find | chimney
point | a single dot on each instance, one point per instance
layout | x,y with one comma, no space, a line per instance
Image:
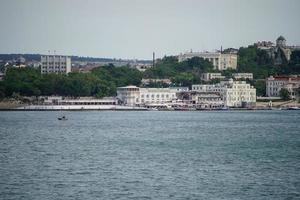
153,61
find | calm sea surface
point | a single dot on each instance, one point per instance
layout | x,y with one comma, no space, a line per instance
150,155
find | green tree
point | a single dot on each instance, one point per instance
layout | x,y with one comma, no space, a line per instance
284,94
23,80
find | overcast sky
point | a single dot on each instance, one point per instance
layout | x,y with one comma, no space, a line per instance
136,28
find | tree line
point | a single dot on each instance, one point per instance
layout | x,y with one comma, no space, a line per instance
100,82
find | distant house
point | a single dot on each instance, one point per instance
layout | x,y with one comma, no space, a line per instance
147,81
276,83
211,76
243,76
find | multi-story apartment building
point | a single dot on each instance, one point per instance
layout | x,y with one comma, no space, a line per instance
243,76
220,61
275,84
132,95
238,94
211,76
55,64
233,93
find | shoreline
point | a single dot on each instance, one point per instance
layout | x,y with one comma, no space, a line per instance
144,109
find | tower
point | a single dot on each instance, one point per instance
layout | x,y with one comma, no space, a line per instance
281,41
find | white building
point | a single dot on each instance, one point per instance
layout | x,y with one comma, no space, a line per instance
275,84
55,64
59,100
202,100
211,76
147,81
135,96
234,93
208,88
243,76
220,61
238,94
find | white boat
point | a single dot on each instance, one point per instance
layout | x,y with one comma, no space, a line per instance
152,109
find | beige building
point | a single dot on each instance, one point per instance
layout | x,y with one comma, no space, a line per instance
55,64
220,61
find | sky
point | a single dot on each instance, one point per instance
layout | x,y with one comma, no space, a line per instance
133,29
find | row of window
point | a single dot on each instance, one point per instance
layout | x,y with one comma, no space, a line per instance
51,67
58,64
157,96
239,93
87,103
51,71
275,83
240,99
147,101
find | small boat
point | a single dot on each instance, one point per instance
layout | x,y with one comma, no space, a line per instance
153,109
224,108
62,118
293,108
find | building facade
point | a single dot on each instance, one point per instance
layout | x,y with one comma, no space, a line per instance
233,93
208,88
239,94
136,96
147,81
275,84
220,61
202,100
243,76
211,76
55,64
